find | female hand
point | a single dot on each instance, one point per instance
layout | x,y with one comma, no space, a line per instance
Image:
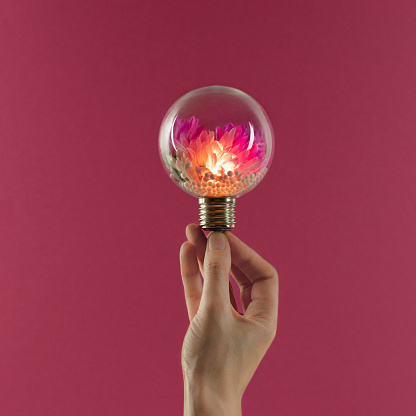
223,348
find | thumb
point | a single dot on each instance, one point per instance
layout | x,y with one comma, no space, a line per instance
217,265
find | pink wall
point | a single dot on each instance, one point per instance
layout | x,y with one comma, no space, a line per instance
92,314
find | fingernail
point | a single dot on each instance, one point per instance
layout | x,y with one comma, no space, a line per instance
216,241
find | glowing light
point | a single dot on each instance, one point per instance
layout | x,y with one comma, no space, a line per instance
216,163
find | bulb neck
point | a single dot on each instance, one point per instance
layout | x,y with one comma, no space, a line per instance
216,214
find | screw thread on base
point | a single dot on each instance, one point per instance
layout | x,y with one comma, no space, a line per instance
216,214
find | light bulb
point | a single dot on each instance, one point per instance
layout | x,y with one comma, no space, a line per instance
216,144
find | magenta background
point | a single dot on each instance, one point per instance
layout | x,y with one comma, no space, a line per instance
92,314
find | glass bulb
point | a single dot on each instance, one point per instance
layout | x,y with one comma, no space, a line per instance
216,144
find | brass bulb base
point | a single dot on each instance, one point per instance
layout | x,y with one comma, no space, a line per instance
216,214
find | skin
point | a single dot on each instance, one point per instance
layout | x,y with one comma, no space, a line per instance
222,347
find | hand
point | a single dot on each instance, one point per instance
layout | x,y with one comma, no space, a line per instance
223,348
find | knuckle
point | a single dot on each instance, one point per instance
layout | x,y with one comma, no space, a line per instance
272,272
273,276
192,297
216,267
188,274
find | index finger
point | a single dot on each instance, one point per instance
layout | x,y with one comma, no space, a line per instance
262,275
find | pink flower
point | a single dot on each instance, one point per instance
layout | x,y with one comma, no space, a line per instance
199,154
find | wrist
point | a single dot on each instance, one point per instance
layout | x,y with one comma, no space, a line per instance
201,399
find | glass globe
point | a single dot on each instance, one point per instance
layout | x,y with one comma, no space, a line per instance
216,143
